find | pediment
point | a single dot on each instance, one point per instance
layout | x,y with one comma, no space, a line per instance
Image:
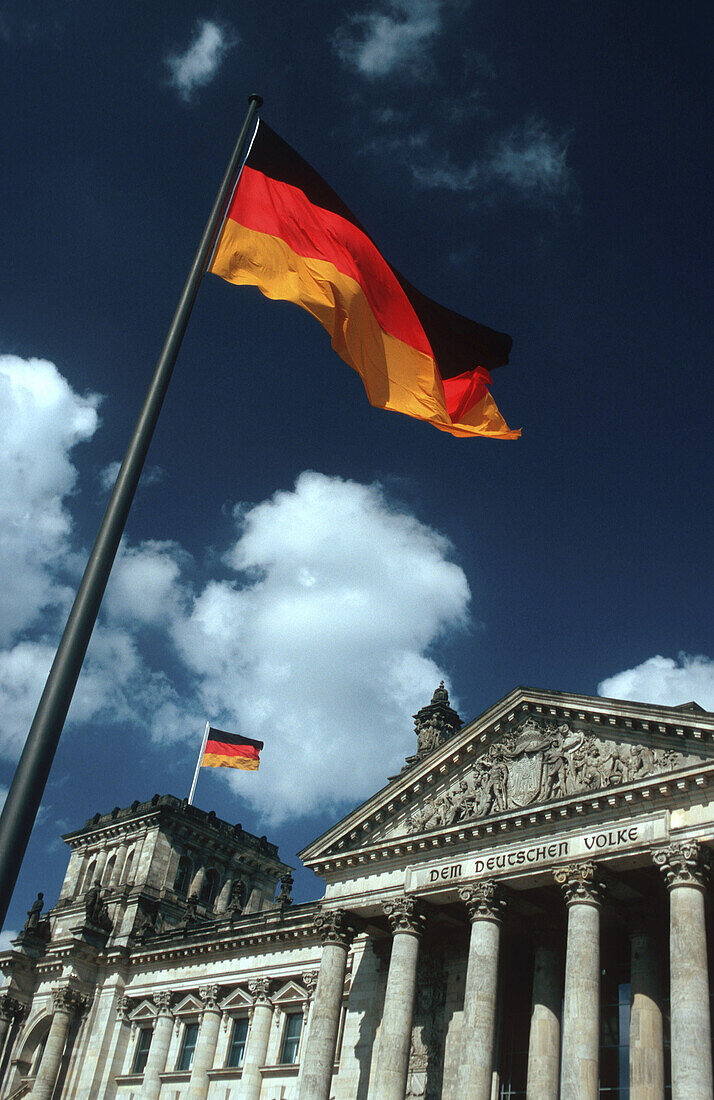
531,750
145,1010
236,1001
289,994
188,1006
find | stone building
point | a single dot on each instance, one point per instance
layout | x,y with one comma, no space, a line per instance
520,912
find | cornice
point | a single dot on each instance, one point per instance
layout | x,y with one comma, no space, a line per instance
664,727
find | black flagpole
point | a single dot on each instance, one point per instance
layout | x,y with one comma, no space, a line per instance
28,785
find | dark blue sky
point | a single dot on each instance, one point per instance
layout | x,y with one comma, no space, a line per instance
544,169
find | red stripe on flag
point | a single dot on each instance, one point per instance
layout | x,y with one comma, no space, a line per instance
224,748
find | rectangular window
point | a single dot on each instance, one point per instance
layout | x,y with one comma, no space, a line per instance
238,1037
188,1046
291,1038
142,1049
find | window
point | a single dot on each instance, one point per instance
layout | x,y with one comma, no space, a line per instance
38,1056
238,1037
188,1046
209,889
291,1038
183,876
142,1049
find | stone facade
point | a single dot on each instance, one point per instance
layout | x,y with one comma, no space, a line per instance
520,912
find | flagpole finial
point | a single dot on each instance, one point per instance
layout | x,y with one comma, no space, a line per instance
255,98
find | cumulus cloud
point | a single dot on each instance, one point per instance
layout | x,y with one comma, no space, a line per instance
665,681
202,58
392,39
532,159
320,642
44,419
321,648
106,477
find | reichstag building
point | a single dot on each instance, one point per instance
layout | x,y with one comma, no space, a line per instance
521,912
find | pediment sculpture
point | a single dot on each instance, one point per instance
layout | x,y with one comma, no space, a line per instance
538,762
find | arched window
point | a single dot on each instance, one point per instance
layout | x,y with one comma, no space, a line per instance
108,871
209,889
127,866
183,876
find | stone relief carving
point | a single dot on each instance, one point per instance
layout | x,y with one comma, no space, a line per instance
537,762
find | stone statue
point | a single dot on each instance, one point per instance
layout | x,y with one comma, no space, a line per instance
238,898
95,910
33,914
284,898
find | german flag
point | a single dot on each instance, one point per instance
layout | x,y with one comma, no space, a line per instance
230,750
289,234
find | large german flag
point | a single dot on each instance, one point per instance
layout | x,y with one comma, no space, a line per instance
230,750
289,234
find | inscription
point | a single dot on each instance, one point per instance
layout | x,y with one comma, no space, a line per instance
526,857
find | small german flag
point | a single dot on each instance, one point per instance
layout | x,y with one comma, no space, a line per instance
288,233
230,750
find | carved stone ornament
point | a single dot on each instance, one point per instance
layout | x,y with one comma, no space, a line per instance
124,1008
309,981
209,996
259,989
335,926
10,1008
67,999
162,1000
685,864
405,914
581,883
435,723
484,901
537,762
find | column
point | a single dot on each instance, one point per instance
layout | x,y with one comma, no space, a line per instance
256,1046
159,1049
581,1005
66,1001
197,882
646,1030
485,903
337,932
544,1038
99,869
118,865
686,870
225,895
206,1045
388,1080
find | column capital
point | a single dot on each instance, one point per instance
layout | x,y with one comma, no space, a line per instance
686,863
484,901
405,914
209,996
581,883
10,1007
335,926
65,998
162,1000
259,989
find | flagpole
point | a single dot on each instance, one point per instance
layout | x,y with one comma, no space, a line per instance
28,785
204,742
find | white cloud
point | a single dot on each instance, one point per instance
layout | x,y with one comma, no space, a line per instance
6,939
665,681
532,160
321,648
320,644
106,477
43,421
379,42
202,58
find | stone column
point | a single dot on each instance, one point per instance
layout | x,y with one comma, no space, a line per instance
197,882
159,1049
646,1030
256,1046
225,895
118,865
581,1006
99,869
686,869
337,933
388,1080
485,903
544,1038
206,1045
66,1002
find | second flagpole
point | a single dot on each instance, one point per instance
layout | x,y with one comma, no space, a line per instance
28,785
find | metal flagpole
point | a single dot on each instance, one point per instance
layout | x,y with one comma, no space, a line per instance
198,762
23,799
